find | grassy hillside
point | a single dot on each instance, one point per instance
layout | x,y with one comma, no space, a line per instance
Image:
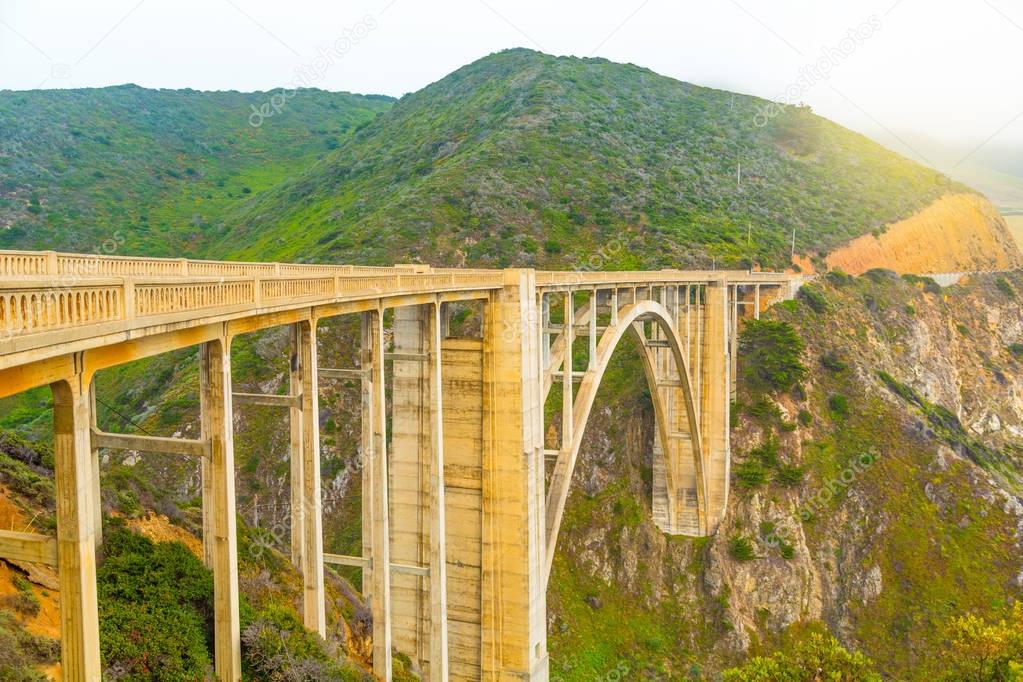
524,158
876,499
150,172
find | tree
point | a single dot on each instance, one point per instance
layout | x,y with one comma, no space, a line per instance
981,651
770,355
818,658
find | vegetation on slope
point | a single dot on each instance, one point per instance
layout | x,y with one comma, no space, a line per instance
130,170
862,509
522,158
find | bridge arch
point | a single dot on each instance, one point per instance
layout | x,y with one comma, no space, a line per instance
629,322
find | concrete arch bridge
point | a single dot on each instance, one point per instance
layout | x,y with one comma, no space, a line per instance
459,526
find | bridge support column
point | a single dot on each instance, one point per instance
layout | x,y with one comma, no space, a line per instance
295,451
417,490
310,502
219,505
76,530
408,474
96,489
715,394
514,598
376,515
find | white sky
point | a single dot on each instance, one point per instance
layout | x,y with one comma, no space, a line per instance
951,69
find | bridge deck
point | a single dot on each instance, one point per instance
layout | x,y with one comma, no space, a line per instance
54,304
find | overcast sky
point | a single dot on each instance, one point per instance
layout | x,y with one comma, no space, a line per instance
951,69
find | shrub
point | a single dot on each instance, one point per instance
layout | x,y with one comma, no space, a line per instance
766,452
804,417
278,649
20,650
763,410
1006,288
23,600
771,351
813,297
24,468
839,405
819,657
789,474
750,474
741,549
985,651
832,362
839,278
155,609
1017,350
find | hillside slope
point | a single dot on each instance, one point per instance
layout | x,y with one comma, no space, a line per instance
957,233
150,172
522,158
878,500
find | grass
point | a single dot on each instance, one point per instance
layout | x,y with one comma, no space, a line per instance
151,172
526,159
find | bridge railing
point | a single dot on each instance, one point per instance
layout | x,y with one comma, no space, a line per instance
33,304
41,291
589,278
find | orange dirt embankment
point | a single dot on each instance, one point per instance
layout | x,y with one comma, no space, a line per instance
43,579
957,233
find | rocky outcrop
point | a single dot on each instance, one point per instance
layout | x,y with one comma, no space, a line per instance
897,543
957,233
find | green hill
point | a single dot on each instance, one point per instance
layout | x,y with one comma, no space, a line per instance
524,158
151,172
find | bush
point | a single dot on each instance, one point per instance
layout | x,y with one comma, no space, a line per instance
839,405
1006,288
832,362
741,549
771,351
819,657
766,453
23,600
985,651
813,297
25,468
804,417
156,620
1017,350
789,475
20,651
750,474
277,648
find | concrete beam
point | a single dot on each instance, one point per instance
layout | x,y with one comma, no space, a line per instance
265,399
31,547
171,446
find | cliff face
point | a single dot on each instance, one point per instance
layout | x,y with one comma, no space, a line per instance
956,233
907,512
